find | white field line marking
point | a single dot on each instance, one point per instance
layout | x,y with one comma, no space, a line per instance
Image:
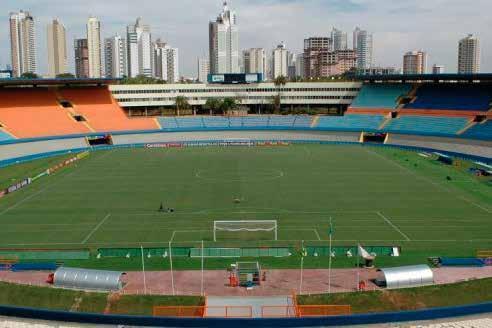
96,228
477,205
317,234
172,237
392,225
440,186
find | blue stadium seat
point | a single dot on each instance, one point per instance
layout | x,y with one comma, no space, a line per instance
190,122
480,131
303,121
168,122
282,121
380,95
5,136
453,97
216,122
236,122
256,121
427,125
351,122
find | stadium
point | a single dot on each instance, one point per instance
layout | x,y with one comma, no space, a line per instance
114,210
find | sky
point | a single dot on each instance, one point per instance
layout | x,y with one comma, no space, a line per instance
434,26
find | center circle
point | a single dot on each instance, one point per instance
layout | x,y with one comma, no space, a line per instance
234,176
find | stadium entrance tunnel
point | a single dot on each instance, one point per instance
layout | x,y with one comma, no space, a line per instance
105,140
370,137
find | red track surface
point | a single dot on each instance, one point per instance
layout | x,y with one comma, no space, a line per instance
278,282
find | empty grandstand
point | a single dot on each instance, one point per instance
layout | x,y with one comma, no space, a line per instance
452,96
101,111
380,96
29,112
426,125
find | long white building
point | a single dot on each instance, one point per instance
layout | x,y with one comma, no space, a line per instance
327,94
22,43
94,47
224,43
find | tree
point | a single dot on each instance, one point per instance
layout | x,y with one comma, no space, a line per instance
142,79
65,76
228,104
279,82
213,105
181,103
29,75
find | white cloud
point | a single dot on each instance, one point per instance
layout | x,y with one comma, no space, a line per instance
398,25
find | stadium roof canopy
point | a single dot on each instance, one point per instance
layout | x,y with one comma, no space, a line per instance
421,78
55,82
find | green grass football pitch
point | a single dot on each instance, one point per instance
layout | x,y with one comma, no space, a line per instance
373,196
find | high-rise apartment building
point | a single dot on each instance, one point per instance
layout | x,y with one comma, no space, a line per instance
469,55
203,70
437,69
166,62
224,43
57,48
81,58
280,63
115,57
254,60
140,49
339,39
363,46
415,62
22,43
313,47
94,47
300,66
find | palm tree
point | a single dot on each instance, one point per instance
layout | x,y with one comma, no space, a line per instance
181,103
228,104
279,82
213,105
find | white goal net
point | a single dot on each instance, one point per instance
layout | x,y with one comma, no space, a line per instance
248,227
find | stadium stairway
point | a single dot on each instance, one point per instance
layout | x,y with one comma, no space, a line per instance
102,112
467,127
314,122
60,100
4,135
386,121
481,130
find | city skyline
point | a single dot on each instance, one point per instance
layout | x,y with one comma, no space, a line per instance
189,32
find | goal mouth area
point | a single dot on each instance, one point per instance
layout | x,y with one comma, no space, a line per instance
245,229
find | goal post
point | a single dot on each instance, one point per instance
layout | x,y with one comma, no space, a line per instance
240,226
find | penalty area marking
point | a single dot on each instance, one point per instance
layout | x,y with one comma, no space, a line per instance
96,228
393,226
